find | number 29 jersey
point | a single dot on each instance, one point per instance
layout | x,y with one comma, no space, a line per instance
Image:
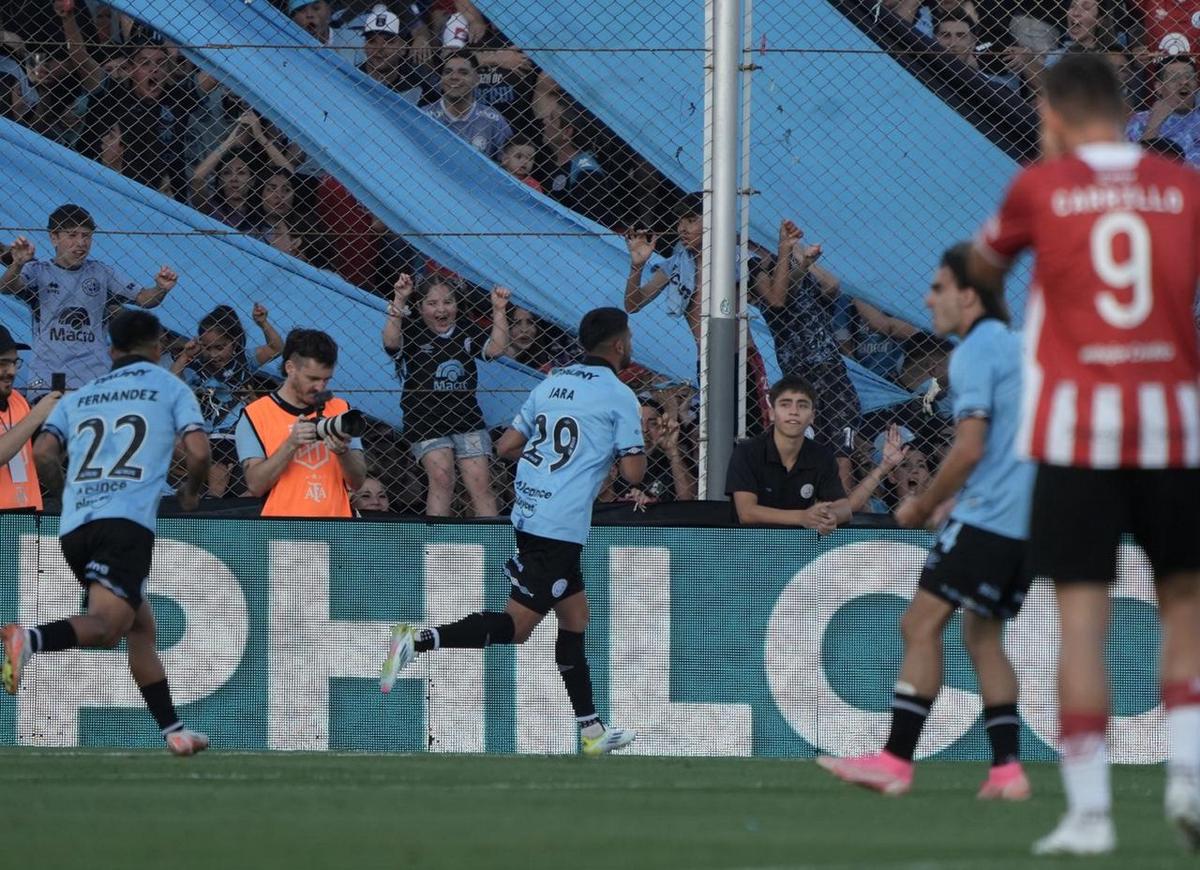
577,422
1112,370
119,431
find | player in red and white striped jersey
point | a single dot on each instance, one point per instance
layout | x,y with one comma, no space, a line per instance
1111,414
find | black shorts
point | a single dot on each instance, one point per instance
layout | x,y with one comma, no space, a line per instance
114,553
1080,514
838,414
543,571
977,570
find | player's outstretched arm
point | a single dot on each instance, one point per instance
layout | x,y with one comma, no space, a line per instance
511,445
13,440
197,456
970,438
47,456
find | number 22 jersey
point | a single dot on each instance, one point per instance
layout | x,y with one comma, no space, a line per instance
1112,370
577,422
119,432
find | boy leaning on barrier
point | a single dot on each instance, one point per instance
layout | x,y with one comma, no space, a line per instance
783,477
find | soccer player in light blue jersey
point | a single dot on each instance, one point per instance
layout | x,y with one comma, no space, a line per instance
119,432
567,435
978,560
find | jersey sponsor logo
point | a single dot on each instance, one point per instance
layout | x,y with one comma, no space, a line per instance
90,286
532,491
525,507
450,375
74,324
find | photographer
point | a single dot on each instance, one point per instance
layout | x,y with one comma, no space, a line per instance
18,422
299,449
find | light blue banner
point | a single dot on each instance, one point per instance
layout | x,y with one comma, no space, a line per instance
844,141
426,183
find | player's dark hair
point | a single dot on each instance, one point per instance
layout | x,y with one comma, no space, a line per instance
600,325
131,330
224,319
463,54
1084,87
956,260
70,217
310,344
792,384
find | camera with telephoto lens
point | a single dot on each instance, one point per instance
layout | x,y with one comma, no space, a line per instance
347,425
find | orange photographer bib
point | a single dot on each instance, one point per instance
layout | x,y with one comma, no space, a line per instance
312,484
18,477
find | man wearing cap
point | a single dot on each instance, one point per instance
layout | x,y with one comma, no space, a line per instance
18,476
386,60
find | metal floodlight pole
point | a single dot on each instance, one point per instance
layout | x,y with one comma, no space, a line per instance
720,289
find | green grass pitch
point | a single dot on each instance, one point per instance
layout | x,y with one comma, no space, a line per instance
95,809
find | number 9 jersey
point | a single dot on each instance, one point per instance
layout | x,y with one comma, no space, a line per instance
577,422
1112,370
119,431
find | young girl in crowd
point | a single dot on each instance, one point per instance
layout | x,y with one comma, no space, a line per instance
216,366
280,225
435,353
236,161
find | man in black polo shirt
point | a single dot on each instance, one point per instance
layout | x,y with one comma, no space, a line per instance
783,478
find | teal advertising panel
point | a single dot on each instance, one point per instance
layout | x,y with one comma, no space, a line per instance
707,641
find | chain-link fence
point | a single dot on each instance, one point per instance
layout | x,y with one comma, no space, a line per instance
377,171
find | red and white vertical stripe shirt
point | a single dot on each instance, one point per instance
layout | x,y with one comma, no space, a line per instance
1112,374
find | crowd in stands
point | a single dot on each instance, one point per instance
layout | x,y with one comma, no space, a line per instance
95,81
